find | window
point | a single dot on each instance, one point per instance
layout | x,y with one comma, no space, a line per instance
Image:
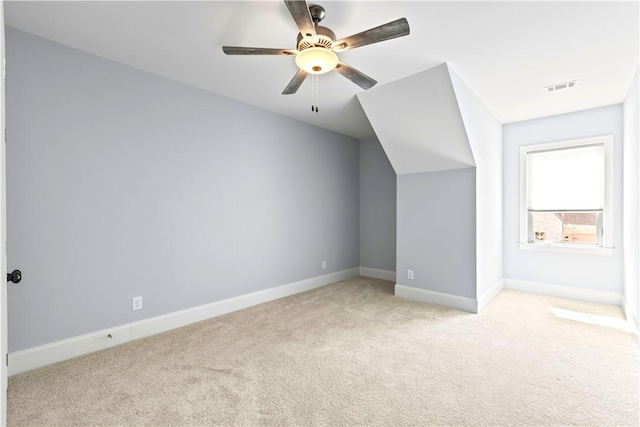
566,195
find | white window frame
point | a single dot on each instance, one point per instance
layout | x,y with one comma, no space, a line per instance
607,226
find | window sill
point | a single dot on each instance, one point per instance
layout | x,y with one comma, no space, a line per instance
566,248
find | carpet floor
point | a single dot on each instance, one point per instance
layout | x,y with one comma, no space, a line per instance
352,354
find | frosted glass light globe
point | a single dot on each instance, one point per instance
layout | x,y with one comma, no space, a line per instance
317,60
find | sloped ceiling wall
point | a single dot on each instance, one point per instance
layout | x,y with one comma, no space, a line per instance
418,122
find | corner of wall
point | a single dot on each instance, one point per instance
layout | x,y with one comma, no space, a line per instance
377,273
470,305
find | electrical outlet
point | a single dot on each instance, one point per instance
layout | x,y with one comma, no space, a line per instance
324,265
136,303
410,274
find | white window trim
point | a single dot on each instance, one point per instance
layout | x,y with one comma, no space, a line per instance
566,248
607,243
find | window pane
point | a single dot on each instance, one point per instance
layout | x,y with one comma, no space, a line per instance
564,227
566,179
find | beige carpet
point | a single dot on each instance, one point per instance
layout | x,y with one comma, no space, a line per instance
351,354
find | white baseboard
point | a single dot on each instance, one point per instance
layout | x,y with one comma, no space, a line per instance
177,319
489,295
633,321
563,291
378,274
32,358
628,313
453,301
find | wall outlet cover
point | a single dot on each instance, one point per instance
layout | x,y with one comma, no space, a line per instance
136,303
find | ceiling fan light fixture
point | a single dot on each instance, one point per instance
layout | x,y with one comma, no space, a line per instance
317,60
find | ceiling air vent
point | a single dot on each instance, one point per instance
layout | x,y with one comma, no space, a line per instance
559,86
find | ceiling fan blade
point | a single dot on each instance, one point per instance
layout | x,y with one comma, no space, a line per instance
299,9
237,50
362,80
295,82
388,31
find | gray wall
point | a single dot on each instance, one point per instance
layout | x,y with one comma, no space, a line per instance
437,231
122,183
596,272
377,207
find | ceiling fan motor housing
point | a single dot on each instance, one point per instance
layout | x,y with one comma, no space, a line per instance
317,12
324,38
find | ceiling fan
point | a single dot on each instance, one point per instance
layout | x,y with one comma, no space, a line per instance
317,46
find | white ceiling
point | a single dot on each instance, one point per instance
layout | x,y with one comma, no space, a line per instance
507,52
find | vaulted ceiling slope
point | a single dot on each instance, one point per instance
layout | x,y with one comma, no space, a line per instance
418,122
506,51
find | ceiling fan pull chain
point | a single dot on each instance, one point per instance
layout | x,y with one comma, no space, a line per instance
317,92
314,93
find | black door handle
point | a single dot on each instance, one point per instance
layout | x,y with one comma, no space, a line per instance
15,276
